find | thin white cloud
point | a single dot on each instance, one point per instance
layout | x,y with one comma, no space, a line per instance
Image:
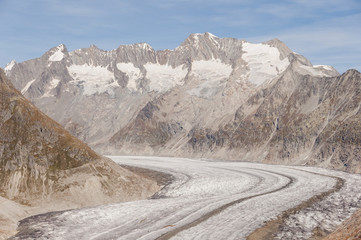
284,11
328,5
338,32
203,2
307,9
90,8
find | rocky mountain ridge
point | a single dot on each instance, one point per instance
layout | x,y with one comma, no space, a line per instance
210,97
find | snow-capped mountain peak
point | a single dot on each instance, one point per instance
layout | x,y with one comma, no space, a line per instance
57,53
145,46
10,65
197,39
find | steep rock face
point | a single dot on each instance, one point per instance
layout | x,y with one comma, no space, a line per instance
209,97
316,122
44,166
340,141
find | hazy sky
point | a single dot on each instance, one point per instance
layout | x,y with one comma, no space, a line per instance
324,31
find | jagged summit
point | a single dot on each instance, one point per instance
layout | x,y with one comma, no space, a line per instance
196,39
142,45
195,36
93,46
57,53
10,65
352,71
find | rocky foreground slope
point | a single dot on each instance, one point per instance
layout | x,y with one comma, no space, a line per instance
44,168
349,230
210,97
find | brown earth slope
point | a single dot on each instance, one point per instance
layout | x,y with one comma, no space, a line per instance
44,168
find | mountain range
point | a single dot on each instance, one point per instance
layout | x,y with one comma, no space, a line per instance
210,97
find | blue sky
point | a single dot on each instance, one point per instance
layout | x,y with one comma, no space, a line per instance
324,31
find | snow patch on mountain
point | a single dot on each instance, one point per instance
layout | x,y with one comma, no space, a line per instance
314,71
27,86
263,61
211,35
54,83
146,47
196,40
133,73
164,77
93,79
213,38
329,68
58,55
10,65
211,70
51,85
212,75
206,89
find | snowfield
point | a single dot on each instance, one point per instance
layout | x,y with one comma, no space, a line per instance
263,61
209,200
